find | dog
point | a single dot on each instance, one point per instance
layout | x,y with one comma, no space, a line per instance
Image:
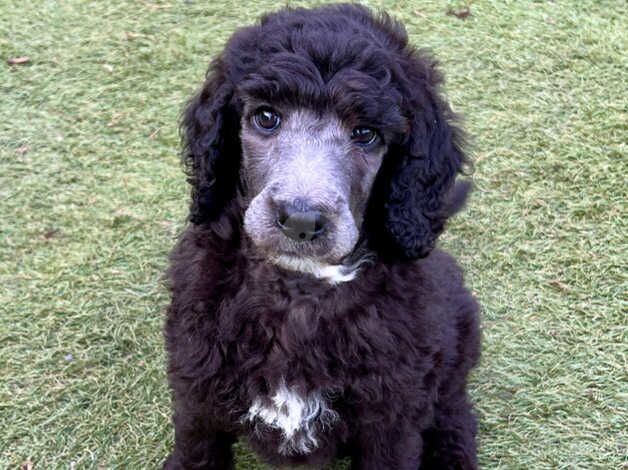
311,313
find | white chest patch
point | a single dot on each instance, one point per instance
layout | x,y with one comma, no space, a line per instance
298,418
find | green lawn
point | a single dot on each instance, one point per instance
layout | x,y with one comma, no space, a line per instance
92,198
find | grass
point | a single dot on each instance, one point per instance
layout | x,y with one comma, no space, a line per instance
92,198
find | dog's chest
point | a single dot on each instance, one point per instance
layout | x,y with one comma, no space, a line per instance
299,418
291,417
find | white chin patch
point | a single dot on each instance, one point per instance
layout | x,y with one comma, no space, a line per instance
332,273
297,417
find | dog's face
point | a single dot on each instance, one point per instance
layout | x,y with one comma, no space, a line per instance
308,177
322,131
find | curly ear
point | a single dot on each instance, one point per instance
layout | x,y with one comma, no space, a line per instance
211,157
421,195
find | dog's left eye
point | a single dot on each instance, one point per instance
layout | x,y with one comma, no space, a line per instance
266,119
364,136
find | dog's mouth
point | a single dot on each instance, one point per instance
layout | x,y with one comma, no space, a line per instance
299,231
319,256
333,271
296,242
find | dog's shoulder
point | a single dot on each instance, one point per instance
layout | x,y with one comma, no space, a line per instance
442,268
440,282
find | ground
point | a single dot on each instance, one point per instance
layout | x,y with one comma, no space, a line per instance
92,198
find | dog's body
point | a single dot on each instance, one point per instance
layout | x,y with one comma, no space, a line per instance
389,359
310,312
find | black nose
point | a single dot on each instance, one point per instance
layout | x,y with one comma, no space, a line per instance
302,224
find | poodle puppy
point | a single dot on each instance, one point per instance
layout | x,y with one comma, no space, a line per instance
311,313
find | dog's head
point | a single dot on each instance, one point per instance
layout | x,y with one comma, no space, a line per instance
330,129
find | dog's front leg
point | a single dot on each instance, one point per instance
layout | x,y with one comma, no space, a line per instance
391,448
198,445
450,443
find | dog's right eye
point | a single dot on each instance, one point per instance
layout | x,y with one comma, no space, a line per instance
364,136
266,119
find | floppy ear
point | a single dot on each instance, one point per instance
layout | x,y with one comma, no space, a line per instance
422,195
210,128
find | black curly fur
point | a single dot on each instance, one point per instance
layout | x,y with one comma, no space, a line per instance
396,344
